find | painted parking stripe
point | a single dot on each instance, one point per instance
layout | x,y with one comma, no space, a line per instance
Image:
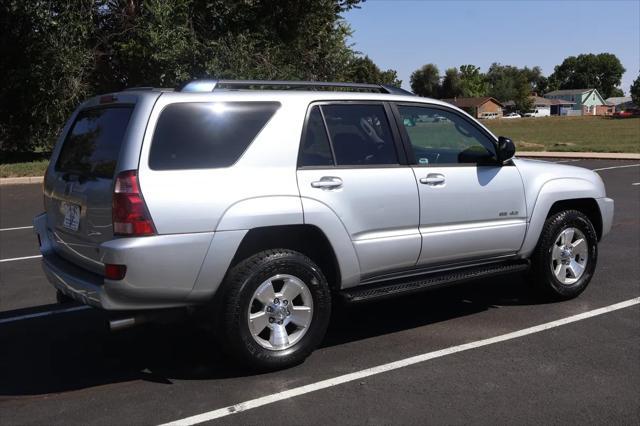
616,167
291,393
636,184
20,258
43,314
15,229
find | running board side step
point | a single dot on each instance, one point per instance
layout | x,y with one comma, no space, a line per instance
430,281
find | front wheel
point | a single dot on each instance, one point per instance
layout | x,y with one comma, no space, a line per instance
565,259
275,309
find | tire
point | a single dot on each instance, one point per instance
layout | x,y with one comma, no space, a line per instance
247,284
562,274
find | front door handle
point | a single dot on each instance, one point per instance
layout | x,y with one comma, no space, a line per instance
327,182
433,179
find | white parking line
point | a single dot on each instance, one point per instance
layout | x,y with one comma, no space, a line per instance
20,258
44,314
616,167
291,393
568,161
635,183
15,229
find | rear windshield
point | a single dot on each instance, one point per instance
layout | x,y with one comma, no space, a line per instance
93,144
206,135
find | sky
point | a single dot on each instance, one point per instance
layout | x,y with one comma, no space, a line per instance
406,34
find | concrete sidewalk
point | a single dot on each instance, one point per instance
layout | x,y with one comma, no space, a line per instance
532,154
21,180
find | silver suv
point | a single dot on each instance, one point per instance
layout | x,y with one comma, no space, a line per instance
263,206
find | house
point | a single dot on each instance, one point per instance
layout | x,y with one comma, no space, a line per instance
621,103
544,106
588,101
560,106
478,107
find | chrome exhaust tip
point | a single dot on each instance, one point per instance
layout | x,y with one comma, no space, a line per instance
121,323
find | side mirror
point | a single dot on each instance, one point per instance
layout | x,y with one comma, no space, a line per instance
506,149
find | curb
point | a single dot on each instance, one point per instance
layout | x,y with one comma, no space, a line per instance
580,155
21,180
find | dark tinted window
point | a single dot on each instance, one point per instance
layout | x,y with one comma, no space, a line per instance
442,137
206,135
360,134
93,144
315,149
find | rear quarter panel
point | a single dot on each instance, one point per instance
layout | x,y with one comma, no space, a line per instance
203,200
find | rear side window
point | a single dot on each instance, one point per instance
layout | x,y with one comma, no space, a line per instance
93,144
315,150
206,135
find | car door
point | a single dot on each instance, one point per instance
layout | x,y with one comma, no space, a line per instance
471,206
351,161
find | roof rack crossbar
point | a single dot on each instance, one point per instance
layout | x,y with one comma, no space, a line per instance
211,85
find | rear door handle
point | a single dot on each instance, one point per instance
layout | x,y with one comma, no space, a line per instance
433,179
327,182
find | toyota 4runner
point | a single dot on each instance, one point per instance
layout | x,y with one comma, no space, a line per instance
263,201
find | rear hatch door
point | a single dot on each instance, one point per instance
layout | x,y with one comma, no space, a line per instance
79,186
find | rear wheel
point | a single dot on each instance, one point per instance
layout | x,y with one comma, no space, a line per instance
565,259
275,309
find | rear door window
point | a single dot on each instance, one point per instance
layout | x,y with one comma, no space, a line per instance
93,144
360,134
206,135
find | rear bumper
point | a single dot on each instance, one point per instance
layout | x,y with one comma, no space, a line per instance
606,206
161,270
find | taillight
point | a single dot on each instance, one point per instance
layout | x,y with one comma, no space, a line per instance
130,216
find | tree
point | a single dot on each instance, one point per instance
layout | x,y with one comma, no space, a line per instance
55,53
509,83
162,42
602,71
364,70
616,92
425,81
635,91
45,62
472,81
522,96
451,84
502,81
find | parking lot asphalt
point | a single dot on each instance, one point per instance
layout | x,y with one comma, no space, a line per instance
66,368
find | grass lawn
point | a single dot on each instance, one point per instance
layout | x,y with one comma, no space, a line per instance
583,134
29,168
23,164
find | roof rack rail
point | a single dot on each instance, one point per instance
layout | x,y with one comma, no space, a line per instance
147,89
211,85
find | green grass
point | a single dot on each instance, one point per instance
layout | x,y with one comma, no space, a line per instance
578,134
23,164
28,168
